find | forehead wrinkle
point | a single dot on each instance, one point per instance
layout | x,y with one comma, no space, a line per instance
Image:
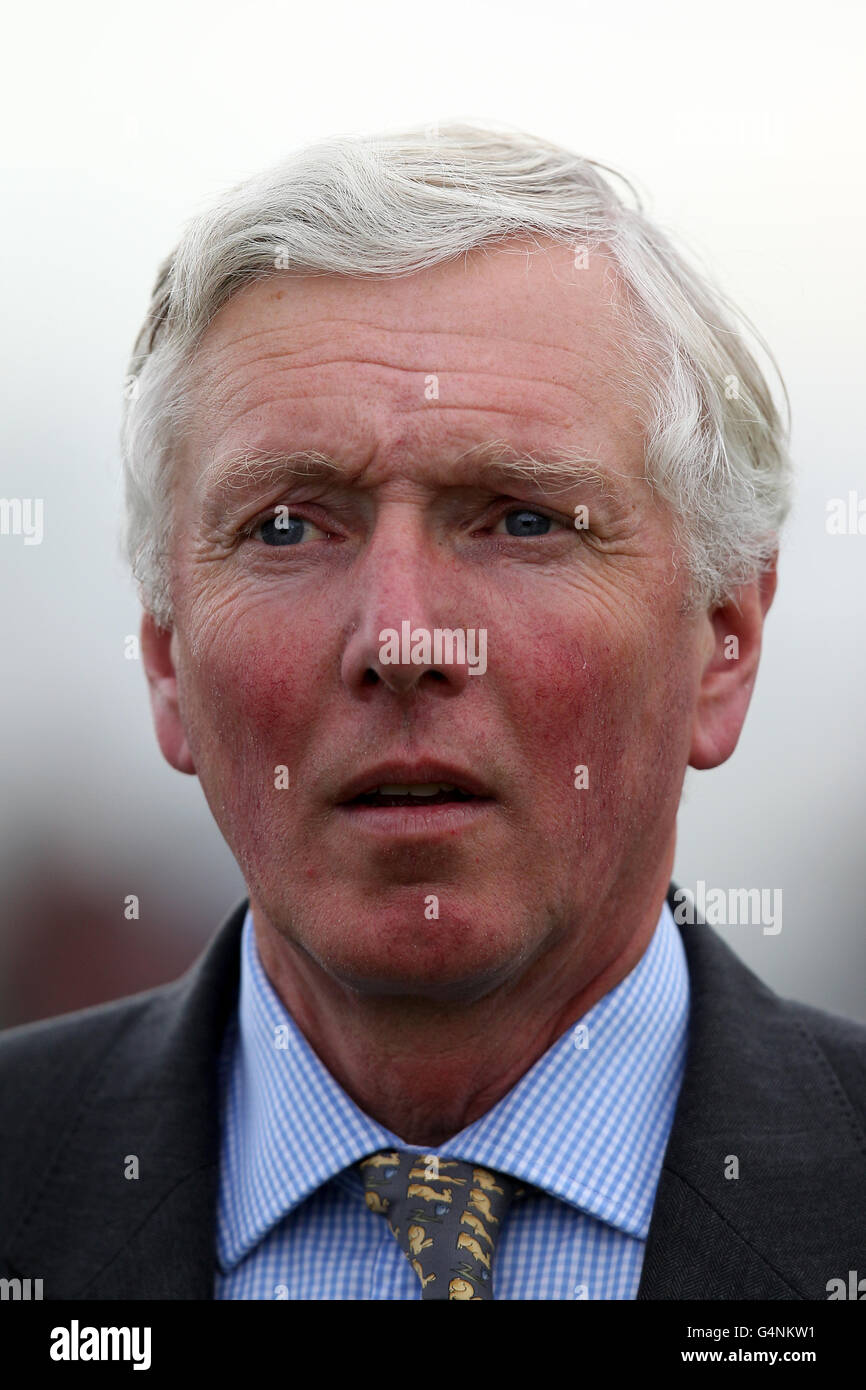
210,357
242,387
545,412
596,329
247,385
244,376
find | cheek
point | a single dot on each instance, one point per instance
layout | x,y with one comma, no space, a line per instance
250,696
249,714
603,695
568,680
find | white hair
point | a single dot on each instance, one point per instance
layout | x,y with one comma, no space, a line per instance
396,203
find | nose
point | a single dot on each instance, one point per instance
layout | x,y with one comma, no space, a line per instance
401,638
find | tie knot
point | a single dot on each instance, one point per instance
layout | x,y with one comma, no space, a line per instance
445,1214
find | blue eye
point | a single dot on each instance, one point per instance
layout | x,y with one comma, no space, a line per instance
281,529
288,529
526,522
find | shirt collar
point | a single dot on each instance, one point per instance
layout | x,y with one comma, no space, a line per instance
588,1123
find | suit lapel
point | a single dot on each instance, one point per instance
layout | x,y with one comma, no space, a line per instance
757,1098
92,1232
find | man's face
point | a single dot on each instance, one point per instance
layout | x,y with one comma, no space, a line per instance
590,660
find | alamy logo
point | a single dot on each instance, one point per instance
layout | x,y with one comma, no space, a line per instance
20,1290
856,1287
730,907
22,516
444,646
76,1343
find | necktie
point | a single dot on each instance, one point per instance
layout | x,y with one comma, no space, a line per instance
446,1216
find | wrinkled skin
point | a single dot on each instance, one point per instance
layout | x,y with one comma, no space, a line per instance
550,896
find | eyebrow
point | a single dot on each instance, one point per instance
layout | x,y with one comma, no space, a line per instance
236,476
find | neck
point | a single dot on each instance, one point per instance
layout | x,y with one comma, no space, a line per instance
462,1056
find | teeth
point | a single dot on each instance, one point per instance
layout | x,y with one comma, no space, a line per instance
419,789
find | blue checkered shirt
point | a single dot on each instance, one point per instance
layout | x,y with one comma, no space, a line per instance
587,1125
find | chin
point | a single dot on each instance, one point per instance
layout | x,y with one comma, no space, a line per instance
430,960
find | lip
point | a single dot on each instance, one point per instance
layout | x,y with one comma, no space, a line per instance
411,774
407,821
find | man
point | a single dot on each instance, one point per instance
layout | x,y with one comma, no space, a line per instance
454,500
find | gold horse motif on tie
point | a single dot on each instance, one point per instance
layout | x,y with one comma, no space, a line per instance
486,1180
417,1243
469,1243
462,1289
376,1202
417,1189
476,1225
481,1202
391,1160
425,1279
423,1171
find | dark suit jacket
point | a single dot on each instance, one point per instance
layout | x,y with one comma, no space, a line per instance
780,1085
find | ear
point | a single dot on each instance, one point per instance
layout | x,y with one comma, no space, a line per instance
733,633
159,655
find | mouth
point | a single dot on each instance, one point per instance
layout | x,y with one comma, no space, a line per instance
420,795
411,799
425,782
